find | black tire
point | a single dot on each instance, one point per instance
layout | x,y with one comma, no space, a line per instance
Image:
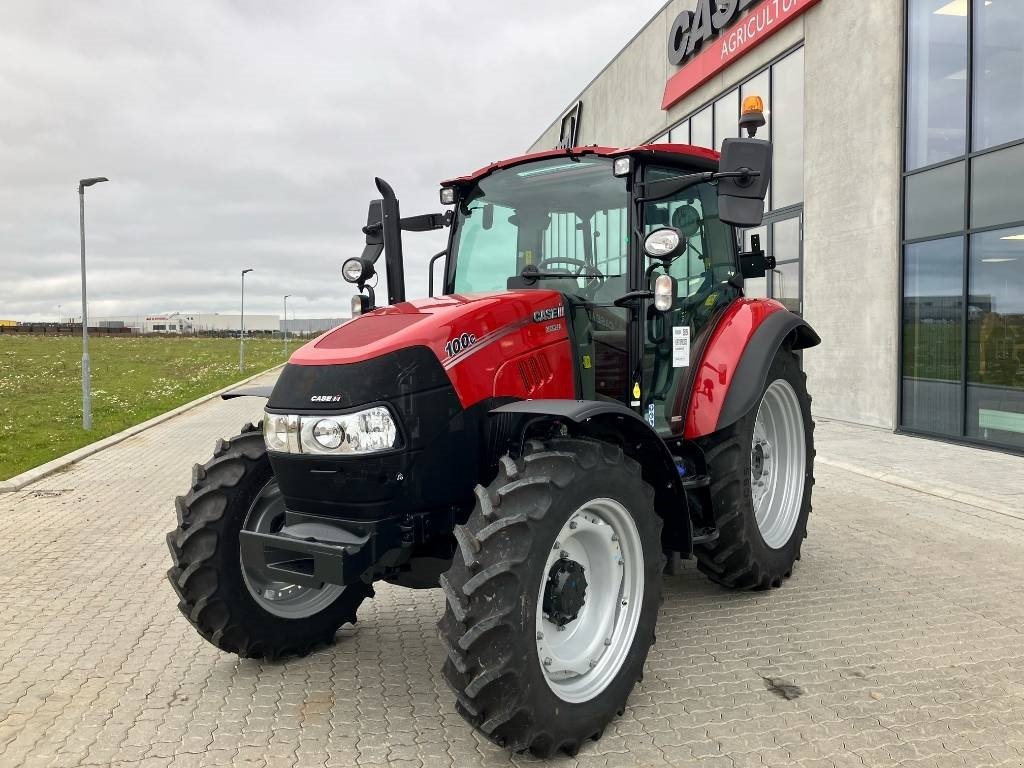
207,572
740,558
488,628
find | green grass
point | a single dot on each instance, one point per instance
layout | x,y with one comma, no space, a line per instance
133,379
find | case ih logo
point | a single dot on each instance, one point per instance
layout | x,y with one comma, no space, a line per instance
325,399
737,29
544,315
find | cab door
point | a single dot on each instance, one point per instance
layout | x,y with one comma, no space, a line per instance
706,284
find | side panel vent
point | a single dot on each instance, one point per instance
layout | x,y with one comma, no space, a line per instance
535,372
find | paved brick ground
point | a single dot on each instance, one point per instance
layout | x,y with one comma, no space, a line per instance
900,634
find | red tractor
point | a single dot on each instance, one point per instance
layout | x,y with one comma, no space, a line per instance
591,398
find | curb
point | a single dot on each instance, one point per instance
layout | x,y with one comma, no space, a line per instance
30,476
960,496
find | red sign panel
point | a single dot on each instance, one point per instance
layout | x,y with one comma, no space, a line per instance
749,32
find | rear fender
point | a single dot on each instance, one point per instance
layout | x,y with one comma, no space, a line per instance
616,424
734,367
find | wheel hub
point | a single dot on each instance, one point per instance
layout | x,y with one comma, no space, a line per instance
757,457
565,593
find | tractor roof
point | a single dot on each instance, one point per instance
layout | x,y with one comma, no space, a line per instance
698,156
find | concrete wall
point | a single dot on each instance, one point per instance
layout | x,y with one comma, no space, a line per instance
852,140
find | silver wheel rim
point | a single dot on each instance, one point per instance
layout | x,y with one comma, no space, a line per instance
582,658
778,461
288,601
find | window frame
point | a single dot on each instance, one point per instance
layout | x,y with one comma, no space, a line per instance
966,233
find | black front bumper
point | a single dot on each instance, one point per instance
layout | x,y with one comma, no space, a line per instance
308,552
311,550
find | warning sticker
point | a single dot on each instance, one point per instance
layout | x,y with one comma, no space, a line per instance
681,346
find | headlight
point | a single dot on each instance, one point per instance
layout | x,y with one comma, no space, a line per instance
368,431
280,432
665,243
352,270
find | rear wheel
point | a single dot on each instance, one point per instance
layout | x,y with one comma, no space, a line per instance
229,603
553,596
762,473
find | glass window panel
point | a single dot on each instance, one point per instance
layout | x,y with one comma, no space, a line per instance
681,133
786,239
788,130
760,86
995,338
785,282
998,73
932,335
701,129
936,81
997,194
935,202
727,118
663,139
786,285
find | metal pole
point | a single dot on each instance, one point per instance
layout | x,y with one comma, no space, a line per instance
285,326
241,335
86,377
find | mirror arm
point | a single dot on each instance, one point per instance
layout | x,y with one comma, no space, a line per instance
425,222
671,186
632,298
430,272
744,175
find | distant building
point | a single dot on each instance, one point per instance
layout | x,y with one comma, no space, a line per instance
195,322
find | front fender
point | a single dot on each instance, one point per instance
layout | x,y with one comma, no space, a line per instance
615,423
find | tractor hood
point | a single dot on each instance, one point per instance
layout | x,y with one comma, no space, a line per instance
473,339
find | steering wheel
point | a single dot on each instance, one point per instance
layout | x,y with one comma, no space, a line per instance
583,269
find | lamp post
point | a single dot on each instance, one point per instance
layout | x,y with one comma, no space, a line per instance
241,336
284,327
86,373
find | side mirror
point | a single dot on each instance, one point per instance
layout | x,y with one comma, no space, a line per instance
374,223
747,164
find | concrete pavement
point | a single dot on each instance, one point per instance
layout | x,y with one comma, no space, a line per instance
898,641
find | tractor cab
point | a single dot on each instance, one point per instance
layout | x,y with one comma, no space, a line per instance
639,242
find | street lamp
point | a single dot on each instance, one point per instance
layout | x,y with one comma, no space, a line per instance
86,374
241,336
285,326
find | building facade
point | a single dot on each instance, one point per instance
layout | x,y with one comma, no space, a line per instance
896,211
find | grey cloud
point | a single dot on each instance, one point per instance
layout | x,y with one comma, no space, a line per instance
248,134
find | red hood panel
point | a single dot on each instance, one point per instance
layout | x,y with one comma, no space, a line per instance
503,344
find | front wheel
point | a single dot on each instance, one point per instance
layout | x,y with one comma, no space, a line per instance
762,473
552,599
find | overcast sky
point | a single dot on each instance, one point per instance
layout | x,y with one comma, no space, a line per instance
247,134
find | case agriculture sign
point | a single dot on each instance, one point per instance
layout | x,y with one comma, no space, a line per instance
693,46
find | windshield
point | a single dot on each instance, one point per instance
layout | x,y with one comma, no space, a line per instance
566,217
